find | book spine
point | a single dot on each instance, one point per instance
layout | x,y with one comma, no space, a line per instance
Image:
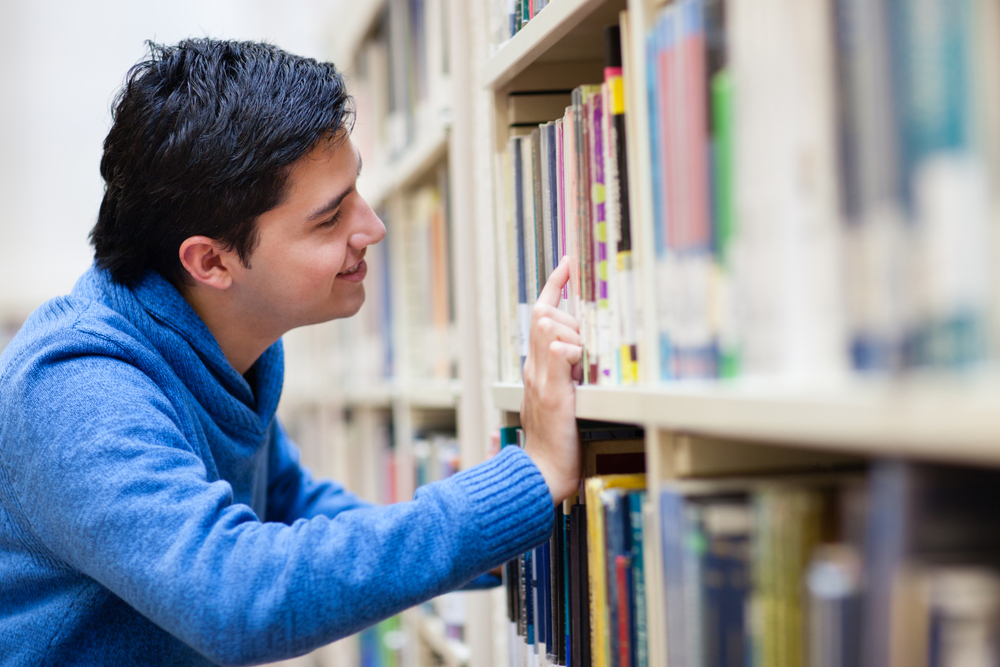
584,248
523,308
598,155
556,649
552,186
627,351
571,175
623,571
640,645
672,535
561,189
597,571
588,242
614,546
546,202
537,206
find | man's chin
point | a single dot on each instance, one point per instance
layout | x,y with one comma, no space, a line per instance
343,308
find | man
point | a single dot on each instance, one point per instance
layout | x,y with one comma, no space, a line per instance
152,508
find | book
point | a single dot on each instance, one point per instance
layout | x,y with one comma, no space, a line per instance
597,557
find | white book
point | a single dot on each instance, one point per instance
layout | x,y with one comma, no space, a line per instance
787,245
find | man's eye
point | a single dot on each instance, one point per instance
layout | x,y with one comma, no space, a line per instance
332,221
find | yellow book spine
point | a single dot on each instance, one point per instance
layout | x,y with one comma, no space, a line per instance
596,571
600,644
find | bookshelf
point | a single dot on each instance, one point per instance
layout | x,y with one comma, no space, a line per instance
799,405
842,408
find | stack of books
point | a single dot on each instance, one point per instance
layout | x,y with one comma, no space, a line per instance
884,564
823,187
428,298
565,194
400,79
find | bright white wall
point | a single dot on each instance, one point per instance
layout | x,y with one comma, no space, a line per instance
61,63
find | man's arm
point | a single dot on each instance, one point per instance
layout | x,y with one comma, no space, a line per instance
292,493
136,512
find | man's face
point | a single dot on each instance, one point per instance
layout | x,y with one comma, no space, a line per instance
308,265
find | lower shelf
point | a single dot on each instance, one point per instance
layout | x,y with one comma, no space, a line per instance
936,419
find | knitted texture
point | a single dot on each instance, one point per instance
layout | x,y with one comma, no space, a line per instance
152,508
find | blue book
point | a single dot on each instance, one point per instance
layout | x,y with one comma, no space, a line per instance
566,585
553,190
672,528
640,641
725,581
615,544
529,598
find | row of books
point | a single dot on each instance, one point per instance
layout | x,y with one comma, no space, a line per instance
400,79
825,185
427,298
893,565
507,17
564,193
825,190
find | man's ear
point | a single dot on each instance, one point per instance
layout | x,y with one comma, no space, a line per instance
207,261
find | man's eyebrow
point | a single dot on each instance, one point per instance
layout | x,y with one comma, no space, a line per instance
332,205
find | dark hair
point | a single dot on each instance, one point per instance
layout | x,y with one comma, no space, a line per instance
203,137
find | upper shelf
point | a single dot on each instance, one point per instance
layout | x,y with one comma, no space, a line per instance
565,30
943,420
380,181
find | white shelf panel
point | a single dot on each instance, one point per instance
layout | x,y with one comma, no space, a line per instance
943,419
357,24
537,39
432,393
381,181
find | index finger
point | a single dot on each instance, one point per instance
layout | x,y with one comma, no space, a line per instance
553,286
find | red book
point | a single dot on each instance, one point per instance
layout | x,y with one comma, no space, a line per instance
697,226
668,101
624,629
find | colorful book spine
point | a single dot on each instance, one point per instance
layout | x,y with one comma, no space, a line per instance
628,349
601,332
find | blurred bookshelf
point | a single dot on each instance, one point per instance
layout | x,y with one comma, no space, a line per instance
800,343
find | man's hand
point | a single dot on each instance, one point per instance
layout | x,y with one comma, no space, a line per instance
548,409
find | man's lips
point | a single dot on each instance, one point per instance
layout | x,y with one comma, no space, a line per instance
355,274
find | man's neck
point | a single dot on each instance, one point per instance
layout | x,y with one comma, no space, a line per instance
241,340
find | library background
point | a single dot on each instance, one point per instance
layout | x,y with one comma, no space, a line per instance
783,224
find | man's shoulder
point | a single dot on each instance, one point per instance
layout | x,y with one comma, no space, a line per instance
65,328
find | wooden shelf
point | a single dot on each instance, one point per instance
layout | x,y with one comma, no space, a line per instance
380,181
357,24
941,419
564,30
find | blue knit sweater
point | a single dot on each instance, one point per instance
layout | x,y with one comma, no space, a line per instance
152,509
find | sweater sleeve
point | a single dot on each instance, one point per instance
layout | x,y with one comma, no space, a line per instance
292,493
136,511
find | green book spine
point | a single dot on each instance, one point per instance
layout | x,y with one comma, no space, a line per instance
725,216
